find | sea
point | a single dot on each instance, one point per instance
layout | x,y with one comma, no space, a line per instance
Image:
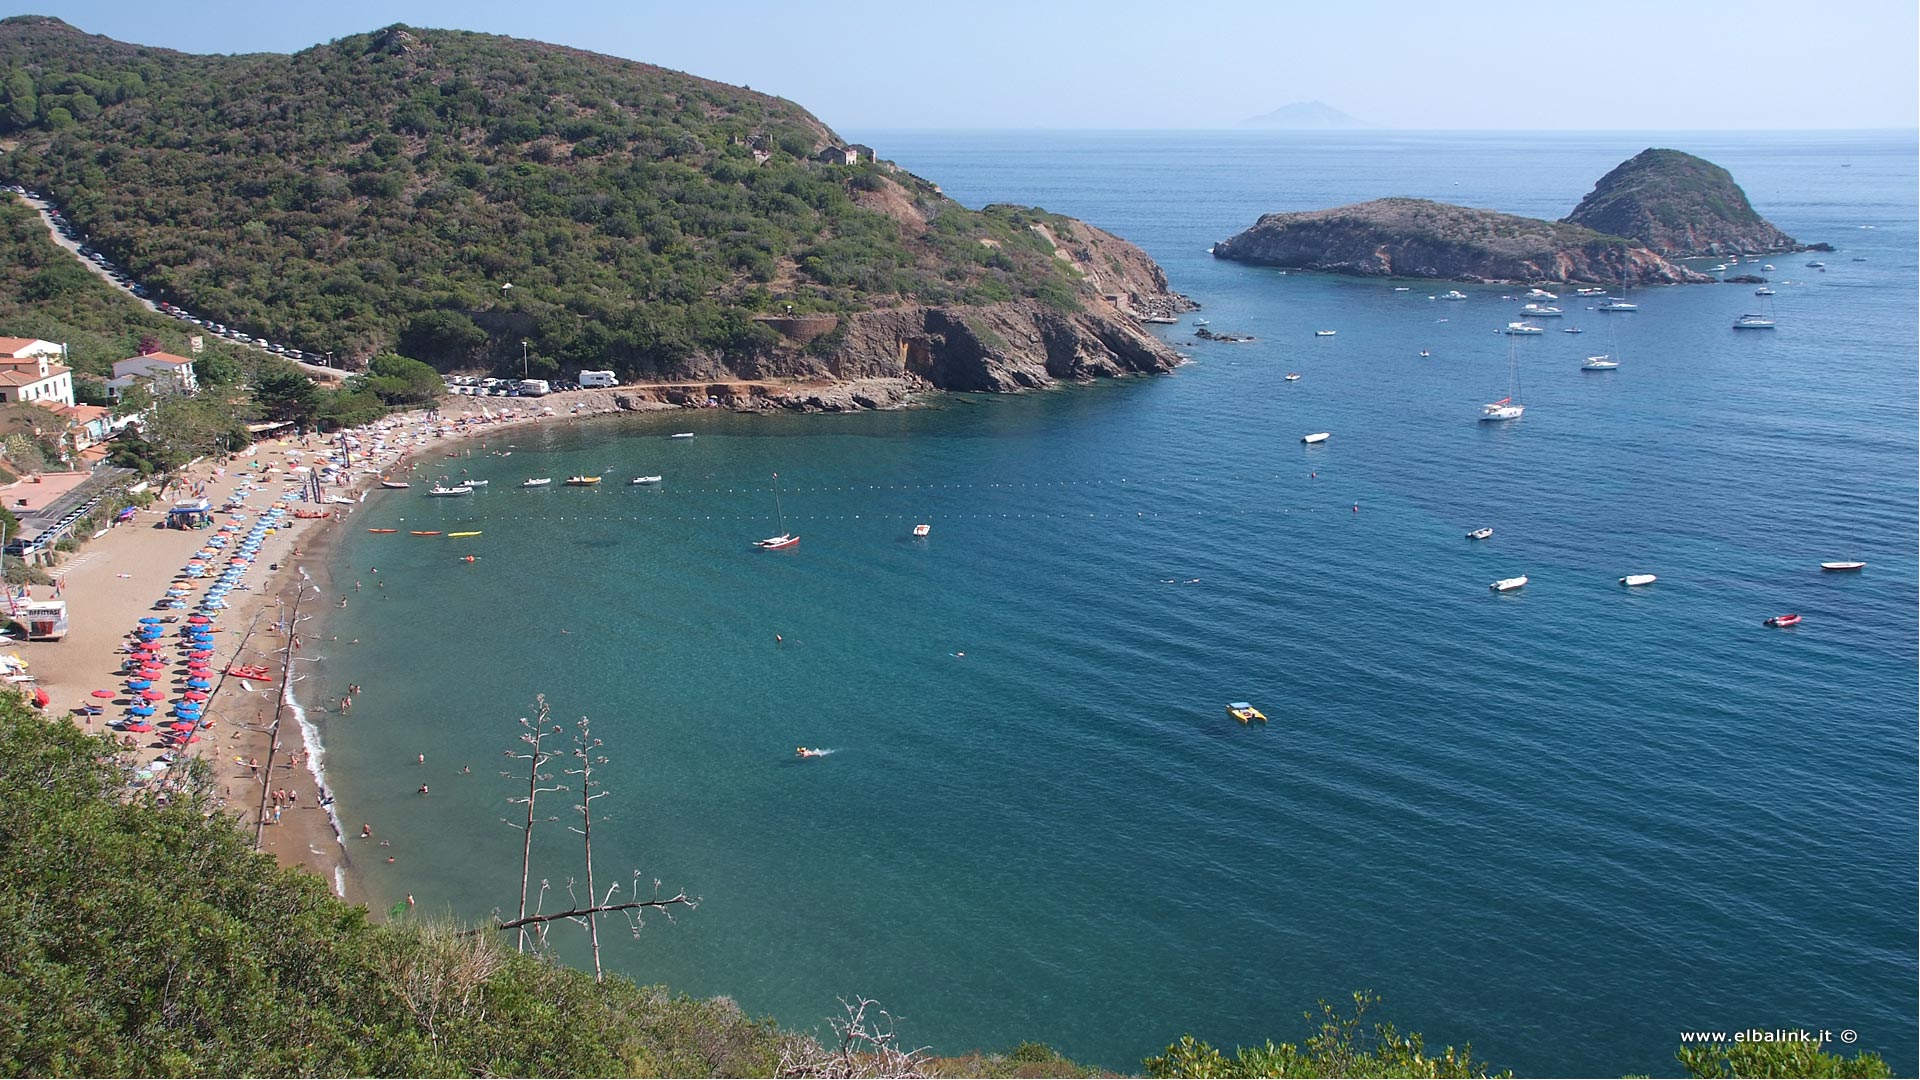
1565,824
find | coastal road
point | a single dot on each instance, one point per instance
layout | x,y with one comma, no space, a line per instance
72,247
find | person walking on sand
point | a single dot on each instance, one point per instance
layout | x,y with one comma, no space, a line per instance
253,763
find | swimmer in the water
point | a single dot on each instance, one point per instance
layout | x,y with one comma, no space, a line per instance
804,752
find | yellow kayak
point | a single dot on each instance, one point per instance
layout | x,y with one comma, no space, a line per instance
1245,713
474,533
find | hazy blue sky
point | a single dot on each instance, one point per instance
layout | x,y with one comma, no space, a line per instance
1465,64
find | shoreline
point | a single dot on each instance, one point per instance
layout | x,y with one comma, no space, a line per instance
116,579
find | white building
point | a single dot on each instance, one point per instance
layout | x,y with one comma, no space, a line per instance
29,372
168,374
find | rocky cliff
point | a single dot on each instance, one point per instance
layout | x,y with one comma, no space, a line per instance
1418,238
1678,205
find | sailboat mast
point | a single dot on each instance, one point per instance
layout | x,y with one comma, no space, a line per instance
781,514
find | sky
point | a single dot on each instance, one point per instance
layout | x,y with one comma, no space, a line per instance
1637,65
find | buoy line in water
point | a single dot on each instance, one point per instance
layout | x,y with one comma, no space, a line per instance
617,519
667,487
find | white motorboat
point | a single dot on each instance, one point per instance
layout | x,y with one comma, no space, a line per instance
476,483
1590,292
1521,329
1817,265
681,435
536,481
1614,304
1293,376
1323,333
1316,437
1638,579
1763,291
645,480
1573,330
1600,363
1541,311
1508,584
1541,294
1753,322
1453,294
1842,567
395,484
922,530
443,492
1481,533
1721,269
1768,266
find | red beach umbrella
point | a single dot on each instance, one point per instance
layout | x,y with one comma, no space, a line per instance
195,695
200,654
198,620
103,693
151,694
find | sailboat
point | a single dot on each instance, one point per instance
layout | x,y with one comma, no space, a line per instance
1505,409
785,539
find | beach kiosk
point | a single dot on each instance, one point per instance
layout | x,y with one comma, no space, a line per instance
46,620
190,514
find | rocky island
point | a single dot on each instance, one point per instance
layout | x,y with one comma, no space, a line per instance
1660,206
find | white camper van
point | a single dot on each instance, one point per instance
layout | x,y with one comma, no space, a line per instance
591,379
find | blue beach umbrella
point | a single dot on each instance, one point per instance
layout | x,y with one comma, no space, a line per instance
141,710
198,684
150,619
139,684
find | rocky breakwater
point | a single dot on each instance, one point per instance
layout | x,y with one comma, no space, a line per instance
1679,206
1418,238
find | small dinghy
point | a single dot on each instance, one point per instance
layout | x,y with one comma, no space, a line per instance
1293,376
681,435
1842,567
1323,333
1638,579
922,530
645,480
1508,584
1782,620
385,483
1481,533
1316,437
537,481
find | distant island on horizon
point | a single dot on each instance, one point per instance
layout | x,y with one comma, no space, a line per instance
1304,116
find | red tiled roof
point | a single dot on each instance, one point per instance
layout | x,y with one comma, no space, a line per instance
165,358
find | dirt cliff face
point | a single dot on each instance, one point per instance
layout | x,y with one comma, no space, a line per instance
1417,238
1678,205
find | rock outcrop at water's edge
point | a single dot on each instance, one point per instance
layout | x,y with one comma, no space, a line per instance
1419,238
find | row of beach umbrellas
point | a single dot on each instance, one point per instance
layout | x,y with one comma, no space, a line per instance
146,670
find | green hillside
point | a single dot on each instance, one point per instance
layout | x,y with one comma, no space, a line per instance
384,189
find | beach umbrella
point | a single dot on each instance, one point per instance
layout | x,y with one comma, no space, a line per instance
151,694
198,684
200,654
150,619
198,620
195,695
141,710
103,693
177,605
138,684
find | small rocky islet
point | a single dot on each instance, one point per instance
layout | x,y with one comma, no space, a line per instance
1652,210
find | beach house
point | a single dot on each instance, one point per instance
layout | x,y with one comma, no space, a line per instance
29,371
165,373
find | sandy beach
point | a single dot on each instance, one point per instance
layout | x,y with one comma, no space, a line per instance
123,576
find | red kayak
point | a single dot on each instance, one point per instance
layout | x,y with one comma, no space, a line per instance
1783,620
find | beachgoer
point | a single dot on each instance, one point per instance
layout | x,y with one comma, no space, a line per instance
464,769
409,899
343,599
423,789
421,759
389,858
254,764
366,831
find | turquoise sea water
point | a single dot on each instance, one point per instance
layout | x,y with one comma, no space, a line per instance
1563,824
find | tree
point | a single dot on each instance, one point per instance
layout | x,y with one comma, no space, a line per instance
285,392
400,381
